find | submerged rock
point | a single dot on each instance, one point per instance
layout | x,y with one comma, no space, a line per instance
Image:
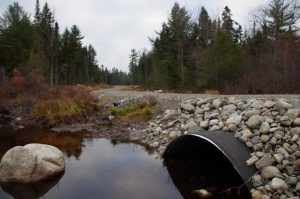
202,193
31,163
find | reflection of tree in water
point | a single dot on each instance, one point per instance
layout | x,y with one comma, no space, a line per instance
70,143
145,146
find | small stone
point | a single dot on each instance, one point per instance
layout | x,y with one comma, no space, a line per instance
252,160
297,154
273,141
259,154
298,186
294,112
269,104
155,145
204,124
265,138
256,180
278,184
214,128
265,161
228,109
286,120
265,127
291,180
270,172
216,103
290,170
295,131
194,129
297,164
213,122
265,197
243,138
281,104
282,151
188,107
232,127
202,193
295,138
278,157
190,124
257,195
247,133
252,112
297,121
234,119
254,121
249,144
173,134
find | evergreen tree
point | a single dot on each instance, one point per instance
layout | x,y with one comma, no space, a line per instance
16,38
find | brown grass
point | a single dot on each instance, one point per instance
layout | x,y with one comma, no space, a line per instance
134,88
51,105
212,92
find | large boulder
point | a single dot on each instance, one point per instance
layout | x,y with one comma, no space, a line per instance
31,163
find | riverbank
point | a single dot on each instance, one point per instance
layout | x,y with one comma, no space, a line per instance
269,127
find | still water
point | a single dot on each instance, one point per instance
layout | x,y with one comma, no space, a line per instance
95,168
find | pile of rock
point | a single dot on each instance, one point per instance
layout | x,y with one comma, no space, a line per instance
269,127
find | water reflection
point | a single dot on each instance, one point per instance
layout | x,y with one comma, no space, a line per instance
30,190
70,143
95,168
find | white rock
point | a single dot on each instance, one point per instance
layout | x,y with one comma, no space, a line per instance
188,107
278,184
204,124
214,128
213,122
216,103
31,163
234,119
265,127
252,160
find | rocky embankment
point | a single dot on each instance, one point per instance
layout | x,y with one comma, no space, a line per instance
269,127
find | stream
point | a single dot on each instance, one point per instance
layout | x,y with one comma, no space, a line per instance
100,168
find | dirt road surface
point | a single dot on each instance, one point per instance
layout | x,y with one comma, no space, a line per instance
119,92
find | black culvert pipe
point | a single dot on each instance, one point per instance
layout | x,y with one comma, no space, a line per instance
215,150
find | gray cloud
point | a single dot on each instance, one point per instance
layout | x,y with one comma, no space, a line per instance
114,27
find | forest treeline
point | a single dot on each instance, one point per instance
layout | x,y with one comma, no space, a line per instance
37,49
217,53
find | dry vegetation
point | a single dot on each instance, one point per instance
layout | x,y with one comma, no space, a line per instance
49,105
137,111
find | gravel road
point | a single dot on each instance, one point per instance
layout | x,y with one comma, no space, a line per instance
119,92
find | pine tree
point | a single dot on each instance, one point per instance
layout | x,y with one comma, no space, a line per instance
16,38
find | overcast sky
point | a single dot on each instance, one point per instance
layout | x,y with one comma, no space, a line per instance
114,27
